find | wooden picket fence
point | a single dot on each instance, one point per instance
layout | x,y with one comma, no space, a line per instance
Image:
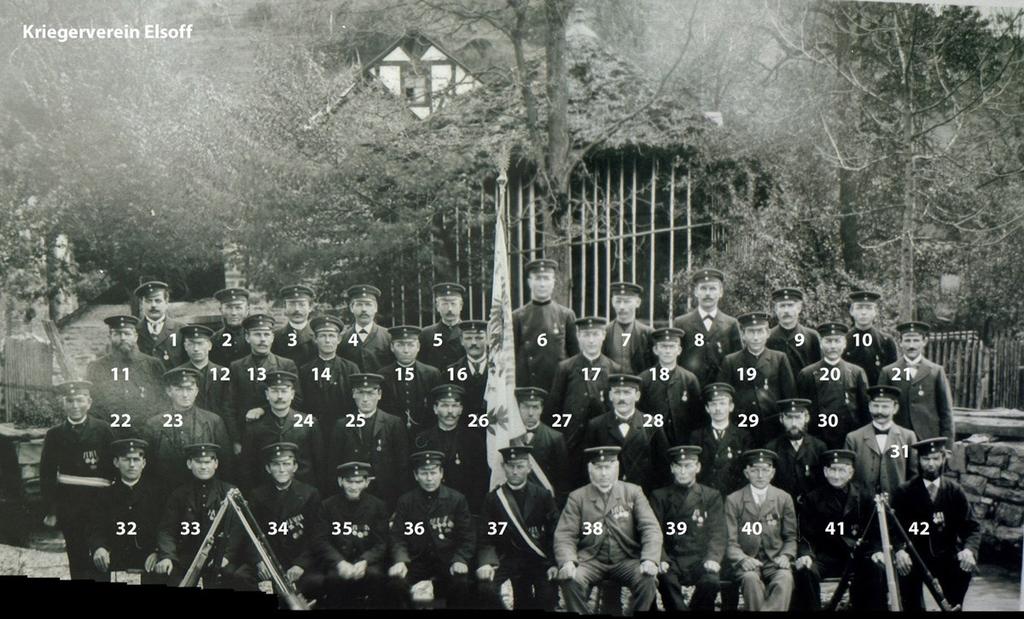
981,375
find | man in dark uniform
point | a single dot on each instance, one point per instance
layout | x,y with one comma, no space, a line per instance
692,521
157,333
926,402
327,380
837,389
248,374
441,342
284,424
365,343
798,468
126,384
545,330
465,450
128,513
470,372
938,518
627,340
801,344
351,544
408,382
579,391
187,518
432,536
295,340
229,341
642,441
214,381
711,334
866,344
760,376
373,436
170,432
517,526
74,470
721,442
549,455
670,390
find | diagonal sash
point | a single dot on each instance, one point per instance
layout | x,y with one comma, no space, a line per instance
516,517
539,472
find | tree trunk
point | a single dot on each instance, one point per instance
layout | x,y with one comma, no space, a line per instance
61,298
907,224
849,227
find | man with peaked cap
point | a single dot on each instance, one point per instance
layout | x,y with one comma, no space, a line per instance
762,536
248,374
517,525
187,517
936,514
408,382
832,519
798,454
465,449
693,524
350,544
432,536
545,330
760,376
365,343
800,343
125,382
74,470
926,402
670,390
123,535
866,344
326,380
373,436
607,531
837,389
884,460
639,435
579,391
214,381
441,342
627,340
229,342
285,424
157,333
170,432
550,456
470,371
710,334
295,339
721,442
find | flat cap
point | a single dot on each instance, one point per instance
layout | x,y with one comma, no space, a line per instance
258,321
826,329
591,322
405,332
701,276
121,321
297,291
624,380
366,381
627,289
541,265
680,453
74,387
354,469
527,394
716,390
230,295
516,452
202,450
123,447
426,458
326,323
884,391
448,289
787,294
605,453
921,328
362,291
753,319
194,331
147,288
447,392
759,456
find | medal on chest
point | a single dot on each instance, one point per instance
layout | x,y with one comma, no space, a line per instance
296,526
555,330
878,362
166,356
685,396
920,392
771,520
698,517
719,344
728,452
380,444
442,525
619,512
939,518
90,458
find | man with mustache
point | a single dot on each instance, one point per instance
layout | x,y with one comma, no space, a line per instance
158,333
711,334
213,381
926,403
798,467
326,380
126,384
801,344
884,458
721,442
295,340
470,372
365,343
545,330
627,340
408,382
866,344
441,342
229,341
670,390
837,389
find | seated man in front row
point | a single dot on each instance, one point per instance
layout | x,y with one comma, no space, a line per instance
607,529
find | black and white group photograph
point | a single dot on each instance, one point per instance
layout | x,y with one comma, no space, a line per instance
580,306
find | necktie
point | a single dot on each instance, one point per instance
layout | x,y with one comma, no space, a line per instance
719,434
933,491
529,437
708,321
362,335
913,372
154,328
624,428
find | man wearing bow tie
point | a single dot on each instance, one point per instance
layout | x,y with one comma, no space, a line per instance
470,371
365,343
549,453
711,334
926,403
884,458
158,334
295,339
720,441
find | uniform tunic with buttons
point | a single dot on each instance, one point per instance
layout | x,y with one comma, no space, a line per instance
642,459
140,396
249,392
139,507
360,534
676,398
720,466
410,399
293,427
722,339
448,535
537,358
167,441
370,354
196,501
870,357
633,354
772,381
847,398
474,384
296,508
465,462
214,385
798,472
327,389
448,352
802,345
382,442
551,455
229,345
572,394
295,344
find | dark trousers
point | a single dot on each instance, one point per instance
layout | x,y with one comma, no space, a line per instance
704,594
953,580
454,588
76,542
336,592
531,589
867,587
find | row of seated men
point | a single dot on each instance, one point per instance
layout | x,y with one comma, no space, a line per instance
604,528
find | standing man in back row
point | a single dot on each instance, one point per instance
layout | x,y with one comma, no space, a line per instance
441,342
801,344
866,344
545,330
295,339
229,343
364,342
711,334
627,340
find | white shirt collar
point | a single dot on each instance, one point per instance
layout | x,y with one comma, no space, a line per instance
832,363
722,429
298,327
77,423
622,420
796,444
589,360
932,484
915,361
519,487
712,314
759,495
131,484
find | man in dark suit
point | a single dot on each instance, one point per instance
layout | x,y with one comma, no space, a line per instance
866,344
326,380
126,385
670,390
721,442
365,343
760,376
884,458
441,342
627,340
470,371
248,396
229,341
798,466
295,339
157,333
549,456
801,344
711,334
936,514
214,381
408,382
837,389
545,330
926,403
692,521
